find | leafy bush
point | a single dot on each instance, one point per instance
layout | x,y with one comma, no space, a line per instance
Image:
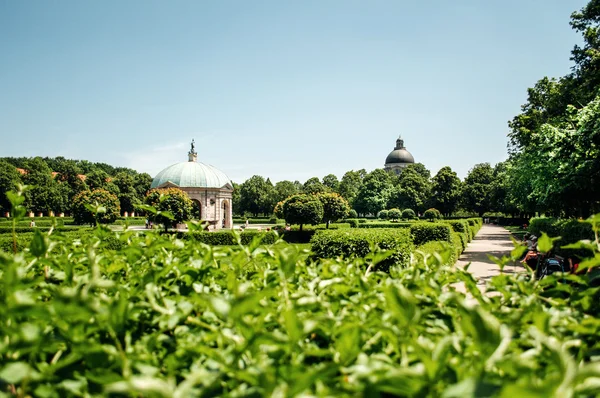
352,214
303,209
409,214
359,243
169,200
432,214
458,225
430,249
423,232
98,197
382,215
394,214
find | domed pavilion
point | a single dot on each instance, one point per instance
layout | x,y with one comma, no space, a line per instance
399,158
208,187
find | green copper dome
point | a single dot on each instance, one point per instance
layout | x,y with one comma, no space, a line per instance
192,174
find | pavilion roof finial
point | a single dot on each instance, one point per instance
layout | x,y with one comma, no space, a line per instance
399,143
192,154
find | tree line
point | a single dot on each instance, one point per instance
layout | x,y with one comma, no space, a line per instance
56,182
483,190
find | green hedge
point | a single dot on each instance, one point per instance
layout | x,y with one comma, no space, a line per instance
43,223
433,247
423,232
385,225
458,225
359,242
538,225
20,230
219,238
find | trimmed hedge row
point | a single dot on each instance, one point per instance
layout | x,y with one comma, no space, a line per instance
22,229
423,232
431,248
25,223
359,243
219,238
385,225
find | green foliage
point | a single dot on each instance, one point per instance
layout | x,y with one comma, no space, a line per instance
257,195
436,248
423,232
303,209
394,214
408,214
432,214
218,238
106,207
164,317
335,207
446,191
371,225
352,214
458,225
173,206
9,180
353,222
382,215
374,192
359,243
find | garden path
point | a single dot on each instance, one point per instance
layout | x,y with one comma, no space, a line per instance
491,239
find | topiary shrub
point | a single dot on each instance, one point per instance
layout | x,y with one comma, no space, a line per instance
408,214
423,232
382,215
432,214
352,214
394,214
537,225
220,238
359,243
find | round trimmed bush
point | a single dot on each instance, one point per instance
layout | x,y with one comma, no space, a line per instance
408,214
432,214
394,214
382,215
352,214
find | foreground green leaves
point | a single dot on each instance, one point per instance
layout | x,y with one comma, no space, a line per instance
167,318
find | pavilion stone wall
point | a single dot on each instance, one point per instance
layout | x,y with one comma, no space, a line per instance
396,167
211,205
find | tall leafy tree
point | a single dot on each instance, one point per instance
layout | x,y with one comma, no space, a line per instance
256,196
96,198
350,184
335,207
303,209
445,191
331,182
374,192
412,191
284,189
314,186
43,195
9,180
478,189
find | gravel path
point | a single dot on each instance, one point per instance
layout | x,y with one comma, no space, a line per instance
491,239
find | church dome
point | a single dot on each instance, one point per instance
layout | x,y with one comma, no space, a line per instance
192,174
399,154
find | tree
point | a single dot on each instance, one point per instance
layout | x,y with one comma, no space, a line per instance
142,184
350,185
171,200
383,215
314,186
413,190
408,214
256,196
478,189
95,198
335,207
43,195
432,214
10,178
284,189
374,193
236,199
331,182
125,184
446,191
419,168
303,209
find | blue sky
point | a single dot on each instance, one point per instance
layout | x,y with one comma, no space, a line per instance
282,89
